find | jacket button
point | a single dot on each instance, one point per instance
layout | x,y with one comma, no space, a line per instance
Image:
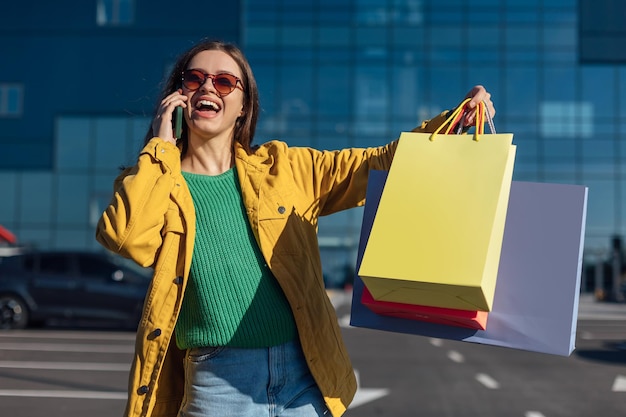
281,210
178,280
156,333
142,390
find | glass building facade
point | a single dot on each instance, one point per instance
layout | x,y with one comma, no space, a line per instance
332,74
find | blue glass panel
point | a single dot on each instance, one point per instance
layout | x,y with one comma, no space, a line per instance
407,36
452,56
480,15
598,87
8,193
559,83
447,36
445,87
296,90
406,56
261,15
522,3
139,126
477,56
72,199
266,83
598,148
451,14
126,9
334,92
292,35
334,36
620,93
371,37
73,144
528,16
407,92
110,139
600,205
560,149
335,16
521,36
560,16
14,100
560,36
371,94
566,56
261,35
489,77
335,56
36,208
491,3
25,155
298,16
522,55
521,92
483,36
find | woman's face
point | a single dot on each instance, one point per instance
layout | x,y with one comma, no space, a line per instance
209,113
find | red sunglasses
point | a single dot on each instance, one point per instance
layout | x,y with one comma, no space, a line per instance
224,83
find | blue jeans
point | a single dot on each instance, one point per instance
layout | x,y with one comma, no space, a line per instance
272,382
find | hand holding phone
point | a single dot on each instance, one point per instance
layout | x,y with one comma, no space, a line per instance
178,122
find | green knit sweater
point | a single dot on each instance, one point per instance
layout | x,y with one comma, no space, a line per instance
232,298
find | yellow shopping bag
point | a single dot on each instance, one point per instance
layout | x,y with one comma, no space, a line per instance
437,233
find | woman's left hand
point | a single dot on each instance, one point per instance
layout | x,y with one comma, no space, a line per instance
478,94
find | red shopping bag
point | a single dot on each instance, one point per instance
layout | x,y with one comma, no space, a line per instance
448,316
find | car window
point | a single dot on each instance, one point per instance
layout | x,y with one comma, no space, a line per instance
29,263
54,264
10,263
92,267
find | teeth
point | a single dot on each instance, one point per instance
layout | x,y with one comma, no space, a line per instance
210,104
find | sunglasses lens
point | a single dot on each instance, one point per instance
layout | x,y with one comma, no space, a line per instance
224,83
193,79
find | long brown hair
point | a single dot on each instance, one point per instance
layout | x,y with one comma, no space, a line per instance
245,125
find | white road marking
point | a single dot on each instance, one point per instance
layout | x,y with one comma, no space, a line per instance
66,366
61,347
93,395
619,385
455,356
487,381
533,414
436,342
366,395
344,321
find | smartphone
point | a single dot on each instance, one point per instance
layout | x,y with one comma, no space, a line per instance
178,122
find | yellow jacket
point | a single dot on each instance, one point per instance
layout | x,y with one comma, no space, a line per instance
151,219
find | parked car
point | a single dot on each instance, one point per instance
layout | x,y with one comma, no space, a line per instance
39,286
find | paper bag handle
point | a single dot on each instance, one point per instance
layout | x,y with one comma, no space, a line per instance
482,114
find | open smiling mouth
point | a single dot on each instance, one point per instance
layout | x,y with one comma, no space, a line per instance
208,105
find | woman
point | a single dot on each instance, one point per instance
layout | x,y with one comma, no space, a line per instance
236,321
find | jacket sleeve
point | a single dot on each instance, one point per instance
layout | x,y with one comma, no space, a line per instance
132,223
339,178
429,126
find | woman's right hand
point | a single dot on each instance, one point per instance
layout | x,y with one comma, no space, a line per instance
162,124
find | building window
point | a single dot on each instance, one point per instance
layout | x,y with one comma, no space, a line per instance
115,12
11,96
601,31
566,119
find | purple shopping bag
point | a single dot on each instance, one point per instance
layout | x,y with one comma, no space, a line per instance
535,305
